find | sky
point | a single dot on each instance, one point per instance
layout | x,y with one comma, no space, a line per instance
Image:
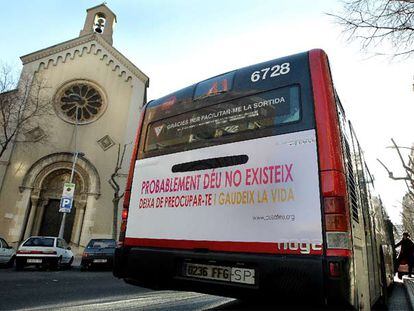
178,42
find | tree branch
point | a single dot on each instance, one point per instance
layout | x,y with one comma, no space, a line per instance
377,22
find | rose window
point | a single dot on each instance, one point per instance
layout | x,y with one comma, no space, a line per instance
80,103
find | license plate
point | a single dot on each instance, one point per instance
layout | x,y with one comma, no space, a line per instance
100,260
220,273
30,260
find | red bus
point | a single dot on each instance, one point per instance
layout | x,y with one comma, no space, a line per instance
252,183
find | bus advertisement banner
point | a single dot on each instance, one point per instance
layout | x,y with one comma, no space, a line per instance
270,203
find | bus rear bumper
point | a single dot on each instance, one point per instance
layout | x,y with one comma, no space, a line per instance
275,276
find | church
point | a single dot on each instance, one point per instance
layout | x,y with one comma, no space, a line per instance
96,95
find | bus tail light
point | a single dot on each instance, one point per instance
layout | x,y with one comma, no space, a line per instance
122,232
334,205
337,227
125,214
336,222
334,269
331,160
336,217
124,218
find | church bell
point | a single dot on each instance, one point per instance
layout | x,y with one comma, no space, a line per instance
99,26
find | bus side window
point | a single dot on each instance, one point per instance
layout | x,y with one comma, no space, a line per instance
351,181
349,165
362,180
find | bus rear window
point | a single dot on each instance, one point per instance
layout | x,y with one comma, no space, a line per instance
260,111
214,86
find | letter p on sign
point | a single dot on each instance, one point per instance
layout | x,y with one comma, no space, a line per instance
65,204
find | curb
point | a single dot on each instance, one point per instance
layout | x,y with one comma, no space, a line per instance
409,288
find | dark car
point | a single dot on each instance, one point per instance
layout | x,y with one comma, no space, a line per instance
98,253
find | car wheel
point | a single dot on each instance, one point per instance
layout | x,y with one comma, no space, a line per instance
83,266
19,265
10,264
69,265
56,264
59,262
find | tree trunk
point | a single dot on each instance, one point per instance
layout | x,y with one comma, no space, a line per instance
115,202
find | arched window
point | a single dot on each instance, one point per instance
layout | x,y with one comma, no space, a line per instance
80,101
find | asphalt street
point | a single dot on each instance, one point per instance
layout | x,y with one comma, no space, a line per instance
91,290
99,290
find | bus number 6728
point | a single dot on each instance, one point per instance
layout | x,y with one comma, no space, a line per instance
275,71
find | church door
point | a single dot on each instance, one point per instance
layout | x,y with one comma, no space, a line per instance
52,218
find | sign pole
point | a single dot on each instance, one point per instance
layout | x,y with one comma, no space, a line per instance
67,197
68,189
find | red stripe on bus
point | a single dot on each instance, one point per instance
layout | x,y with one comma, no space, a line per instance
338,252
327,127
227,246
134,155
128,186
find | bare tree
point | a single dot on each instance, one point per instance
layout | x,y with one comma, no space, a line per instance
378,23
23,106
113,181
408,168
408,178
407,215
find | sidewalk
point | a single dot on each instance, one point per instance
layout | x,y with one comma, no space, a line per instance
409,287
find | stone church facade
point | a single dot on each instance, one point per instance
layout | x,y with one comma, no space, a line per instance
97,95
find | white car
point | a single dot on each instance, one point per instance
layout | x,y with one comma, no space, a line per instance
7,253
44,251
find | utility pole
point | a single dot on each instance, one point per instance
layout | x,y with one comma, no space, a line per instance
72,173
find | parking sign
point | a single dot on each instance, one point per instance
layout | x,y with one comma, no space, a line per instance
65,204
66,201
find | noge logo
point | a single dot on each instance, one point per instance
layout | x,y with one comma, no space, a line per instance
300,247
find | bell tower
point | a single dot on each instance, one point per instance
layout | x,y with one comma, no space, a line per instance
100,20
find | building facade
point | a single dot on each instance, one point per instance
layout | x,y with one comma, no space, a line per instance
96,95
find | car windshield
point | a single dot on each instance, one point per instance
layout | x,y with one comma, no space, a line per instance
102,244
46,242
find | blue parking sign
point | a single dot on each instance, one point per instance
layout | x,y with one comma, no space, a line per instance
65,204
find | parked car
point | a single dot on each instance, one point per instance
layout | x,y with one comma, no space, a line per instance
7,253
44,251
98,253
